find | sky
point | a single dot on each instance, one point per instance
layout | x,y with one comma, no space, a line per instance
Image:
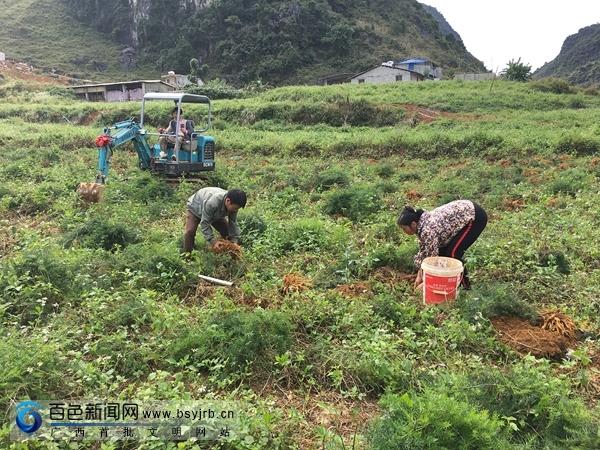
496,31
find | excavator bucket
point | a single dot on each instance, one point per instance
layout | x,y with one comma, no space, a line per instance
90,192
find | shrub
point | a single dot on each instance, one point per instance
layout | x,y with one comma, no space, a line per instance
517,71
31,367
307,234
581,145
355,203
99,232
61,92
251,225
496,300
569,182
577,102
397,257
554,85
133,310
39,277
538,402
159,262
435,420
16,170
366,359
215,89
409,176
387,187
29,202
554,258
127,357
329,178
385,170
237,338
452,189
217,178
400,314
144,188
348,266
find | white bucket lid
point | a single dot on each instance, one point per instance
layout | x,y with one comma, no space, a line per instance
442,265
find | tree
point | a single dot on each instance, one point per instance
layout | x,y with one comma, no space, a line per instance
517,71
194,69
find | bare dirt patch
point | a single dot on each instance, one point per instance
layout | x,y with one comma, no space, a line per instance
90,118
422,114
413,196
354,289
387,275
23,71
418,114
512,204
341,416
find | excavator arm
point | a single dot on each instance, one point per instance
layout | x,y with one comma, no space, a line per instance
126,131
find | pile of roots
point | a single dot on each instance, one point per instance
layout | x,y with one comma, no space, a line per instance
292,282
552,339
228,248
558,322
90,192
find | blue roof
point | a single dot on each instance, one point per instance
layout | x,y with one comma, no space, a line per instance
414,61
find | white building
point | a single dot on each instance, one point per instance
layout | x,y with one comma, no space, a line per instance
178,80
2,56
386,74
122,91
423,66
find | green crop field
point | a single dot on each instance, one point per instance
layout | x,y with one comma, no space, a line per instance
97,302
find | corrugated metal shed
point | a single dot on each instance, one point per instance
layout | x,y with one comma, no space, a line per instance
121,91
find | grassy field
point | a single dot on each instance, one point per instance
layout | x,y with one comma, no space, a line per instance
97,302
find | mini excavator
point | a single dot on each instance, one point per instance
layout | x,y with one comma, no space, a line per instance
182,158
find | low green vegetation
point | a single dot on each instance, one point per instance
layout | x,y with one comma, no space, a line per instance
97,302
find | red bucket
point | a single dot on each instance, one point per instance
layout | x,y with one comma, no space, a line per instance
441,278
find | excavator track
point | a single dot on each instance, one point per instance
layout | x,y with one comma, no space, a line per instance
193,178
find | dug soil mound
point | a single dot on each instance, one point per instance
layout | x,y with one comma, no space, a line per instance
550,340
388,275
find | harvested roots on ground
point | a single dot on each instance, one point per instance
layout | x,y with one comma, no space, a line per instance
228,247
293,282
559,323
90,192
525,338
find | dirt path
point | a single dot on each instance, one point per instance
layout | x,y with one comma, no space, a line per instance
25,72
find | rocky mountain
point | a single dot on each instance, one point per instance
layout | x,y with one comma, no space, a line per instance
445,27
281,42
578,60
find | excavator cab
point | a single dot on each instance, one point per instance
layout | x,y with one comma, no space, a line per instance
188,156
